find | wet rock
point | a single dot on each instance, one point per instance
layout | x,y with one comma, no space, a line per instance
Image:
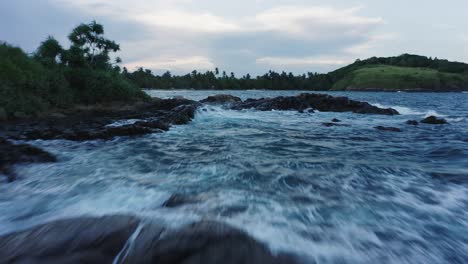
205,242
11,154
153,124
334,120
81,240
328,124
179,199
412,122
221,99
157,116
390,129
181,115
434,121
320,102
125,239
230,211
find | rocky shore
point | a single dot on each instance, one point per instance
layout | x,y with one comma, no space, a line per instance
128,239
155,116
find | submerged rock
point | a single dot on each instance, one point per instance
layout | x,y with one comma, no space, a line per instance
320,102
434,120
329,124
126,239
412,122
221,99
391,129
179,199
11,154
334,120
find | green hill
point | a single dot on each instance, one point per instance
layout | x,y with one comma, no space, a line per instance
394,78
405,72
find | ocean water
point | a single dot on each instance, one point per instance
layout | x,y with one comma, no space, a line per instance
329,194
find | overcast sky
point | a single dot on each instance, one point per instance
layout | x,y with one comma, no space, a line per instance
249,35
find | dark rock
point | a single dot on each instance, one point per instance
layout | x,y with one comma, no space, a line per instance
157,116
221,99
334,120
412,122
181,115
391,129
153,124
11,154
434,121
179,199
328,124
320,102
82,240
204,242
125,239
3,115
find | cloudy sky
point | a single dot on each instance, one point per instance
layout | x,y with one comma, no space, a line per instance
249,35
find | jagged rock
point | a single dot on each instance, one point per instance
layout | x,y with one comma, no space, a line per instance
320,102
157,116
434,120
126,239
221,99
412,122
11,154
391,129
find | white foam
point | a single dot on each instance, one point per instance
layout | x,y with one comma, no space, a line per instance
403,110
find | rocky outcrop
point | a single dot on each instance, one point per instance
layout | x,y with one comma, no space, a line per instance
221,99
320,102
11,154
433,120
126,239
155,116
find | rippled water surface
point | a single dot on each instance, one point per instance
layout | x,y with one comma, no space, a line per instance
331,194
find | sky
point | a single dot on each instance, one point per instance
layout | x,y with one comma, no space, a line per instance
248,36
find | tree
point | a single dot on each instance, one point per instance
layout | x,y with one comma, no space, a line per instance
89,47
49,52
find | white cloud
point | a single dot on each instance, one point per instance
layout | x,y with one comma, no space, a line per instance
305,35
185,64
306,61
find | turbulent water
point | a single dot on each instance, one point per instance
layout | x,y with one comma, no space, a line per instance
334,195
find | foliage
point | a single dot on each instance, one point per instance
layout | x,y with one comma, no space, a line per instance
214,80
54,77
441,75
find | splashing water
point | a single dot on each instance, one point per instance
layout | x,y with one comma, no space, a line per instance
342,194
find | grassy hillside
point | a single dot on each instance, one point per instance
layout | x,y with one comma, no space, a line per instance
394,78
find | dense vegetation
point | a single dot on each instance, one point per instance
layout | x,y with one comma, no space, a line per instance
403,72
54,77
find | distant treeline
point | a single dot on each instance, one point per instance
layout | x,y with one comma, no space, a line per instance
222,81
144,78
